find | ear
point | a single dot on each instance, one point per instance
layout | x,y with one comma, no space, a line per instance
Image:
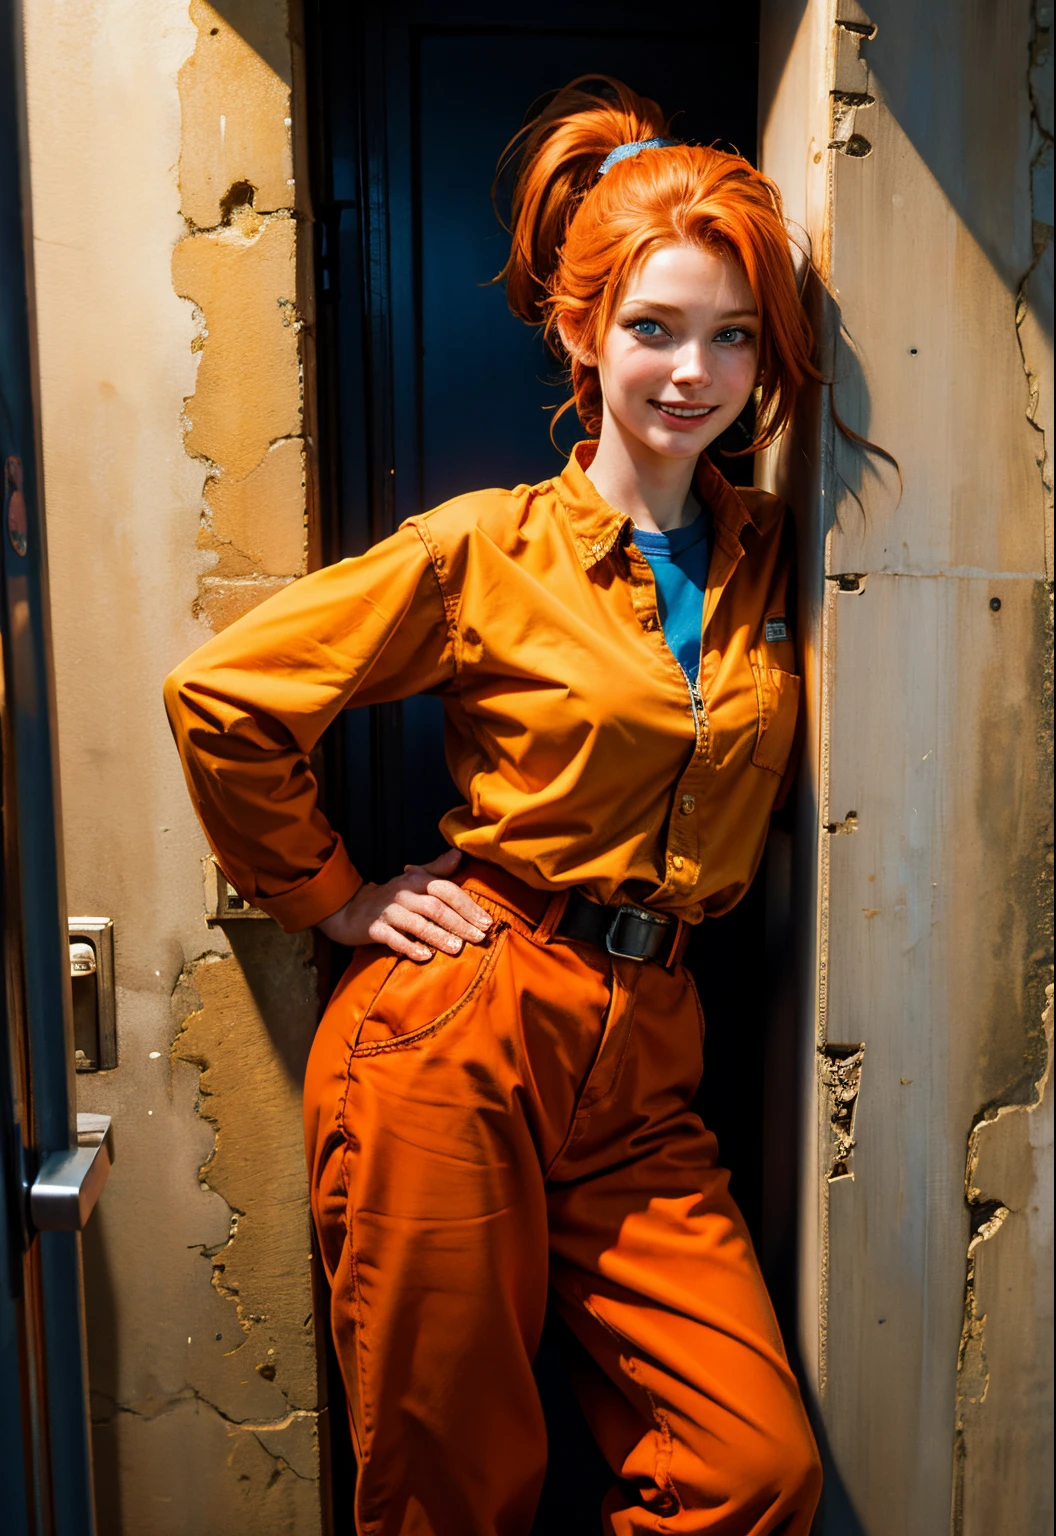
582,355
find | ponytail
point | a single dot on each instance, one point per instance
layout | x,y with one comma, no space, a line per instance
559,154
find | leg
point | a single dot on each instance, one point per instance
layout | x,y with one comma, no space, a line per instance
686,1384
426,1138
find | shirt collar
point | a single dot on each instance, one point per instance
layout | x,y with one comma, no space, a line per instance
597,527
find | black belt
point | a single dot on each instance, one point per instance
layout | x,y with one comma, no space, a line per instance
628,931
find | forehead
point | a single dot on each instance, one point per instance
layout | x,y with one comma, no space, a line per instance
686,277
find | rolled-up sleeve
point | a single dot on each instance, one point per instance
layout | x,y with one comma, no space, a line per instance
248,707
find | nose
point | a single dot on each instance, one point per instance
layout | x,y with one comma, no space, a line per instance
691,367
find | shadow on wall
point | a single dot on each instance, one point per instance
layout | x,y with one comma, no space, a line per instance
259,23
277,969
941,96
105,1374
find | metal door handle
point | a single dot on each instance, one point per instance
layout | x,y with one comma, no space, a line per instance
64,1192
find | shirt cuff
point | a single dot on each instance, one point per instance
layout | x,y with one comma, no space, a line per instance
325,893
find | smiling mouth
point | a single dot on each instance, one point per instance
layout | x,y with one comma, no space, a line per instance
688,412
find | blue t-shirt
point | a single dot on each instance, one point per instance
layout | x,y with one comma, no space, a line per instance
679,561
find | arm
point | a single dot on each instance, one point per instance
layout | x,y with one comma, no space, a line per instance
248,707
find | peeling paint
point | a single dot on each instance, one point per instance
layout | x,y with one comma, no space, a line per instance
1034,295
238,267
245,1022
841,1075
244,420
843,828
236,113
999,1150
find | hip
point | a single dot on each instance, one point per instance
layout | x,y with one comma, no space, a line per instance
528,1026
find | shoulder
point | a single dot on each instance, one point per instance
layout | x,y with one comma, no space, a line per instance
496,517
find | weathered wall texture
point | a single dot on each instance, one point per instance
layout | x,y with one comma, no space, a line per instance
915,145
169,298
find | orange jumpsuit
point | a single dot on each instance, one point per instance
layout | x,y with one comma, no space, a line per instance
516,1117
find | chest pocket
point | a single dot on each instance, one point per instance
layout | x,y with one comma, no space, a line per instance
777,693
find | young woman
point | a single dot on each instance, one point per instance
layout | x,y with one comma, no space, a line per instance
498,1099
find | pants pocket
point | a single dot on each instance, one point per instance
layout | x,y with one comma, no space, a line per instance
415,1001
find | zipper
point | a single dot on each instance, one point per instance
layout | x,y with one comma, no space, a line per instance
701,723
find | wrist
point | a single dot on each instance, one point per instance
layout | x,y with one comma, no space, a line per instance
338,925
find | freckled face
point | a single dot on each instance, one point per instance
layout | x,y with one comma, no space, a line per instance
681,356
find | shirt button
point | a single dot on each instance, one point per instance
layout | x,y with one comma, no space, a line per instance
678,861
688,805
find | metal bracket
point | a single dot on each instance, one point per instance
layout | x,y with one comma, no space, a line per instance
64,1192
222,901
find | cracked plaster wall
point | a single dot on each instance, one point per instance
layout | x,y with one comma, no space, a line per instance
172,279
914,145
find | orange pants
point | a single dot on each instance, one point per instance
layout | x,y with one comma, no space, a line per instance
508,1120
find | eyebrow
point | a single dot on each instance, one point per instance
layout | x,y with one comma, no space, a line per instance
673,309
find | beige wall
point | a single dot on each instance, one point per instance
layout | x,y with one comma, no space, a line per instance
914,155
170,320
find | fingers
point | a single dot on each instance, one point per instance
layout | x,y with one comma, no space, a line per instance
447,894
423,912
380,932
403,919
461,901
443,864
444,914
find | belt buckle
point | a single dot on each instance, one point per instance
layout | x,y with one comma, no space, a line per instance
612,933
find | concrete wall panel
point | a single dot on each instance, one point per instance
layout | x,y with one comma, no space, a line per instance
929,940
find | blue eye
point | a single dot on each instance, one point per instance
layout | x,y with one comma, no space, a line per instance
734,336
646,328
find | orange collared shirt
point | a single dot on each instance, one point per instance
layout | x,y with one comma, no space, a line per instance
584,757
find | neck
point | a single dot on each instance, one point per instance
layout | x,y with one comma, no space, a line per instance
651,489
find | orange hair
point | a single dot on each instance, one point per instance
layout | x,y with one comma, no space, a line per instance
577,238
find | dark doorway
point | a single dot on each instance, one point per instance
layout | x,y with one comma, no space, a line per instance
428,387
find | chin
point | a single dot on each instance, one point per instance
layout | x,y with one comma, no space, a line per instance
679,445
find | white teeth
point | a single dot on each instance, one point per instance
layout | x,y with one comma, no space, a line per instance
685,410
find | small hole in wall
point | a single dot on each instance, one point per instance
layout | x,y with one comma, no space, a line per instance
238,196
912,351
213,31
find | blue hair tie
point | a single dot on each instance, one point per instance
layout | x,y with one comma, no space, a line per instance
628,151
